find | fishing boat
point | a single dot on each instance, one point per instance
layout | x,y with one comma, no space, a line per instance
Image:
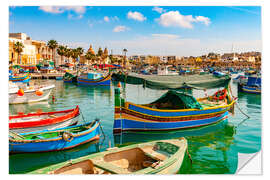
28,94
175,109
38,121
240,79
253,85
54,140
25,78
94,79
155,157
69,78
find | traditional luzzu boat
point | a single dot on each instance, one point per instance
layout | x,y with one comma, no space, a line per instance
240,79
94,79
38,121
253,85
54,140
28,94
155,157
69,78
20,78
174,110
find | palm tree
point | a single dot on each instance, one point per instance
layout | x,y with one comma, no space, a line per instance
125,57
61,51
67,53
52,44
90,57
80,51
18,47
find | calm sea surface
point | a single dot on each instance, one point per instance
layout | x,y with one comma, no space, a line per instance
214,149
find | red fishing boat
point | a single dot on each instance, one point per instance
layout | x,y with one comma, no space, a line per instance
38,121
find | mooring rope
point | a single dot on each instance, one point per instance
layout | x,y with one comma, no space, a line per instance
241,110
237,103
82,115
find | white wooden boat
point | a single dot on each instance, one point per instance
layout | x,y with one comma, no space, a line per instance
30,93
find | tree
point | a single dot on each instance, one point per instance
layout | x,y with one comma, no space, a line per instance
74,54
90,56
125,57
80,51
68,53
18,47
61,51
52,44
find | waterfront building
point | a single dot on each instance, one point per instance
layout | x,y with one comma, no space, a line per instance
34,51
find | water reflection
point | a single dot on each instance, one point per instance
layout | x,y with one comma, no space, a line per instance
213,148
18,164
27,108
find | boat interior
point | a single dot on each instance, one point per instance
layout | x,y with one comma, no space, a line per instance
35,117
122,162
174,102
51,134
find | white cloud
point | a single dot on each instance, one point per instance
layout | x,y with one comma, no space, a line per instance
120,29
71,16
175,18
202,19
136,16
61,9
158,9
106,19
115,18
157,44
167,36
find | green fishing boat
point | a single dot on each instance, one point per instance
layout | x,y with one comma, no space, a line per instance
155,157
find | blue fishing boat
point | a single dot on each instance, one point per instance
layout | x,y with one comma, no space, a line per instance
94,79
25,78
174,110
240,79
54,140
253,85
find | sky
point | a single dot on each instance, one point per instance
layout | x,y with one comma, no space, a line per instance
144,30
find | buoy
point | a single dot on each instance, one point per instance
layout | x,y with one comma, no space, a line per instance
39,111
39,93
20,92
20,113
119,85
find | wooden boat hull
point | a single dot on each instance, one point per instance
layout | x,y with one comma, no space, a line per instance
248,89
30,96
69,122
54,144
26,78
134,117
127,160
31,122
104,81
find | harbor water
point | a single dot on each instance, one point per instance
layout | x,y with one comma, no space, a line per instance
213,149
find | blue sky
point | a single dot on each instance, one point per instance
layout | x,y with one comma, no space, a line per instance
181,31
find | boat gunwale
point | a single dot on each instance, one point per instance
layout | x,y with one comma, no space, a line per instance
182,144
181,110
70,114
82,133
